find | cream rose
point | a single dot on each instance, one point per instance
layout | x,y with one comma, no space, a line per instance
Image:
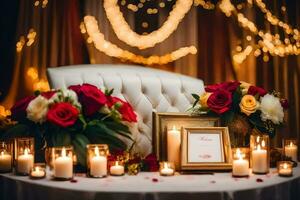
37,109
249,105
203,99
271,109
244,87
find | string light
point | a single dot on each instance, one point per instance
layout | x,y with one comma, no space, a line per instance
31,37
113,50
205,4
127,35
20,44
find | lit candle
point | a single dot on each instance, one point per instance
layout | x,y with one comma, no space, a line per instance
117,170
240,166
173,141
25,162
37,172
63,166
285,169
291,150
98,164
259,159
5,162
166,170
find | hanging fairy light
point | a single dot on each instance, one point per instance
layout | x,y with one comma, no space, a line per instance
113,50
127,35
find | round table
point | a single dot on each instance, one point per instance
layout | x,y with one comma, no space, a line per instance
148,186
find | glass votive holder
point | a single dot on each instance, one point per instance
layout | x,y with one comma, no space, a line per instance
62,160
117,169
285,168
240,163
97,160
166,168
38,171
24,155
260,157
6,156
290,149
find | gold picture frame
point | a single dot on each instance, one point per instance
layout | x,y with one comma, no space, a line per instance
205,148
162,121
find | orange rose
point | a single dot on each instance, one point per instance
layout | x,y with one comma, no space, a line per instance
203,99
249,104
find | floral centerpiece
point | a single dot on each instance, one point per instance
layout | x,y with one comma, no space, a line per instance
243,108
76,116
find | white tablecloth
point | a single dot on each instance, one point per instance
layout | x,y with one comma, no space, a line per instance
151,186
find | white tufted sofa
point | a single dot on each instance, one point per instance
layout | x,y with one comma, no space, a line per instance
146,89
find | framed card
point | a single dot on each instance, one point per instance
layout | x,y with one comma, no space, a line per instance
162,122
205,148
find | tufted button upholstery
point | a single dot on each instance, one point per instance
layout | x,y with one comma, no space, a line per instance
145,89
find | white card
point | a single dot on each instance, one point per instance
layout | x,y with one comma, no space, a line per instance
205,147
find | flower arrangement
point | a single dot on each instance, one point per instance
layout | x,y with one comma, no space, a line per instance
76,116
242,106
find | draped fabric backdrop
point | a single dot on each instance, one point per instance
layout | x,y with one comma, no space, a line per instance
58,42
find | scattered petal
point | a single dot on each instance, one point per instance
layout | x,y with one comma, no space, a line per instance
213,182
73,180
155,180
259,180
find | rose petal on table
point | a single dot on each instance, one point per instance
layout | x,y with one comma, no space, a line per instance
155,180
73,180
259,180
213,182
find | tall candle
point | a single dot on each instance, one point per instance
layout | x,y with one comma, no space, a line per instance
117,169
240,167
173,141
63,166
259,160
291,150
98,164
25,162
5,162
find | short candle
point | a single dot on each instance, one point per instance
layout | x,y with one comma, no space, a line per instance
5,162
37,172
117,170
240,166
25,162
285,169
291,150
98,164
166,170
63,166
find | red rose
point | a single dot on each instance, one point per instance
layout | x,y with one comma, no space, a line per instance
150,163
91,98
253,90
18,111
284,103
48,94
125,109
75,88
63,114
220,101
230,86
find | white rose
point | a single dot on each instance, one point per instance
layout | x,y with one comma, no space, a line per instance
271,109
37,109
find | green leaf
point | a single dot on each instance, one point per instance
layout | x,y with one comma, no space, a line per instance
18,130
119,128
109,92
196,96
79,143
61,138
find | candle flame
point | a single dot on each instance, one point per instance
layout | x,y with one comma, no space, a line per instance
174,128
37,169
258,147
117,163
285,166
2,153
263,143
63,152
257,139
291,144
166,165
96,151
26,151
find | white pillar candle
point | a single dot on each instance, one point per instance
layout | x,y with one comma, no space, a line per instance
240,167
5,162
98,165
166,171
37,172
173,143
259,160
117,169
63,166
25,162
291,150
